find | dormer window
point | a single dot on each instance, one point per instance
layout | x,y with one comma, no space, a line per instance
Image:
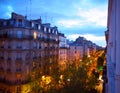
49,30
45,29
39,27
56,32
32,24
53,31
20,22
36,26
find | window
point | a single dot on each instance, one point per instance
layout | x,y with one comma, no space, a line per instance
53,31
18,57
4,23
11,22
36,26
45,29
35,44
9,44
19,44
35,35
20,22
10,33
19,34
49,30
39,27
2,55
33,64
32,24
56,32
2,44
9,57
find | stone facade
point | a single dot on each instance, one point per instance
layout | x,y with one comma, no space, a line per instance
28,48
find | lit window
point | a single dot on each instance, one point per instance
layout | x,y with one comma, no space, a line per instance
35,35
3,43
33,64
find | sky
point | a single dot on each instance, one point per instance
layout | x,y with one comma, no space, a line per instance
74,18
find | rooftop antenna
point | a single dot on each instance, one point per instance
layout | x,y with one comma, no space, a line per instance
26,8
51,19
45,17
30,9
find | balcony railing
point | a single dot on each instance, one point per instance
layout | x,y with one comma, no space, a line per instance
18,59
19,47
19,70
13,82
16,36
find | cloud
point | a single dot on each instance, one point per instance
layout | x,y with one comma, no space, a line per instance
9,10
69,23
6,10
94,16
99,40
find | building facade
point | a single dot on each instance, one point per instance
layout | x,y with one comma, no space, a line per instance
113,47
63,52
76,53
28,49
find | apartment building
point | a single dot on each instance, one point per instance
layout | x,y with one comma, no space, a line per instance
63,52
113,48
28,48
76,53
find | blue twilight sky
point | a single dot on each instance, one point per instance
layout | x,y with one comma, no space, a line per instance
74,18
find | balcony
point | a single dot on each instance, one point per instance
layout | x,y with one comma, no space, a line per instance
18,59
19,47
35,47
15,36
